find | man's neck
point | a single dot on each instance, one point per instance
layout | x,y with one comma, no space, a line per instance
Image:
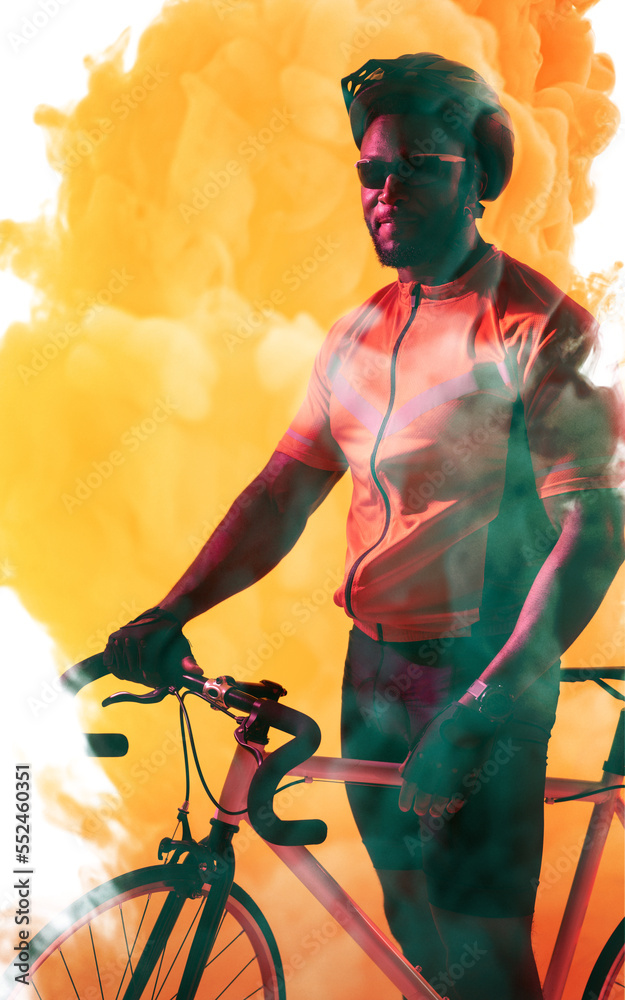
456,260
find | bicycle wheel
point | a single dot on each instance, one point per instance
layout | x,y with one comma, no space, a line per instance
607,977
91,950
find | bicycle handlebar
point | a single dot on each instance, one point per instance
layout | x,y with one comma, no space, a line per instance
84,673
264,785
74,679
276,765
306,733
270,773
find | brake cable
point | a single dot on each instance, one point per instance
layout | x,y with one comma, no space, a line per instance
185,721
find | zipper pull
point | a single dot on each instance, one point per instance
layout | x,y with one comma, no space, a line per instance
414,296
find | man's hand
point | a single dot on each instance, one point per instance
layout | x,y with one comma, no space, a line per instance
454,745
150,650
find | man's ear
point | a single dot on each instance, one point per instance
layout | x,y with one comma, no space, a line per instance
478,186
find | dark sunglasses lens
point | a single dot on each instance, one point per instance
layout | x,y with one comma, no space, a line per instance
373,173
424,170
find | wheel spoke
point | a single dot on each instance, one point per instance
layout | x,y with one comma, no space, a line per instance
182,943
128,952
95,958
68,973
134,943
158,972
96,947
225,948
253,993
234,979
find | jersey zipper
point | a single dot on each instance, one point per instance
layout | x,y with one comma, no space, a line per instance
387,504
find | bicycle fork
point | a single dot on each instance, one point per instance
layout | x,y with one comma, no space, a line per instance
218,845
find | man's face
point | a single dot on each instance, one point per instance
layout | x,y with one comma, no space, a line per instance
411,225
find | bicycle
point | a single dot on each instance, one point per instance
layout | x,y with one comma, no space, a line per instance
208,938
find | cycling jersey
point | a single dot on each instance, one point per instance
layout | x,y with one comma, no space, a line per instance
455,407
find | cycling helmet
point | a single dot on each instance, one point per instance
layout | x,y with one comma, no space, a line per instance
428,82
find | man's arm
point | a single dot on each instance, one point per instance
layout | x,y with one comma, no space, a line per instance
567,590
573,429
262,525
563,598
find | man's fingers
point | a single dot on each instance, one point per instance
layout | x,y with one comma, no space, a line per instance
121,668
425,802
407,793
190,666
438,804
422,803
132,660
455,804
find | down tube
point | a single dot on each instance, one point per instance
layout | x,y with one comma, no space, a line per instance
356,922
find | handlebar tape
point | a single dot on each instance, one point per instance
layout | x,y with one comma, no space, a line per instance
84,673
73,680
266,780
106,744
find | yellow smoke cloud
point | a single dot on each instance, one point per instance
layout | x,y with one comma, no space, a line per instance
208,230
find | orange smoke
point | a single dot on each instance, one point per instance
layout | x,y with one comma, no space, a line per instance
208,230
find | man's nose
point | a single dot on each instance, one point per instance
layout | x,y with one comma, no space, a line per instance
394,190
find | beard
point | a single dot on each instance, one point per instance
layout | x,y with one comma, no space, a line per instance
449,234
408,253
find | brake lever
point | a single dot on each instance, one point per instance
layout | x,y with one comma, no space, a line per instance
150,698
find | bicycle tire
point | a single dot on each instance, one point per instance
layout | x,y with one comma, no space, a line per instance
608,975
90,950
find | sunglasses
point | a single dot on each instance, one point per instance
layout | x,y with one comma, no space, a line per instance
420,169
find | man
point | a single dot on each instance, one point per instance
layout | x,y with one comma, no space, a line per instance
455,397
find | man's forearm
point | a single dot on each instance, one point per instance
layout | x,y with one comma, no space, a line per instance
566,592
262,525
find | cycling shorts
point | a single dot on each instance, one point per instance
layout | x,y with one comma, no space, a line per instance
484,860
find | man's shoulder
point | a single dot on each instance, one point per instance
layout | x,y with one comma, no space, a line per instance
523,291
351,323
374,301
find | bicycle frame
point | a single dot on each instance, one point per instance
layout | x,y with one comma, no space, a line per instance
317,879
383,952
606,806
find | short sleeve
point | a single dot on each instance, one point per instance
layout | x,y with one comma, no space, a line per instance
574,421
309,437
